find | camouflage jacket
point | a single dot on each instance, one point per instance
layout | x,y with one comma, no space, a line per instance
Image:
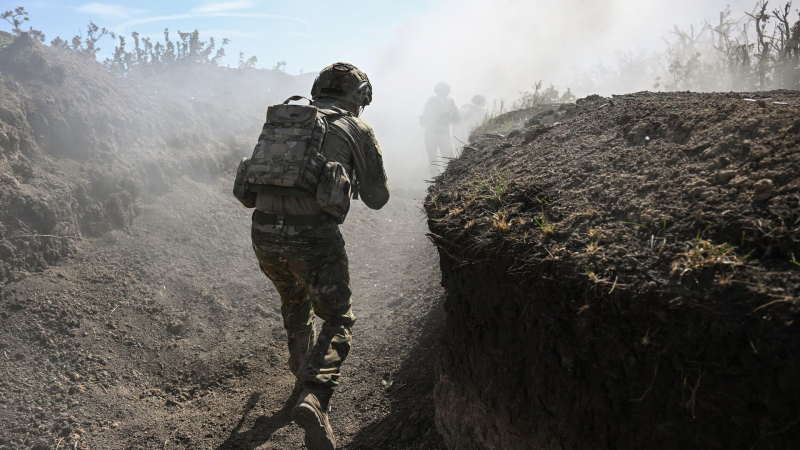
439,113
351,142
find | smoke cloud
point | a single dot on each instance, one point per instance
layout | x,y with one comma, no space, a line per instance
502,48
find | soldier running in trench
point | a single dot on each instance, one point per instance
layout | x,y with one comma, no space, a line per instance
440,112
307,164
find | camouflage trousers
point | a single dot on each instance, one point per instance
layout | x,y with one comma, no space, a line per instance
308,266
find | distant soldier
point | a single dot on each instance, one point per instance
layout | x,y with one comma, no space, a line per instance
300,180
472,114
440,112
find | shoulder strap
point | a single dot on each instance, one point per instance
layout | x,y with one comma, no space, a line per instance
354,145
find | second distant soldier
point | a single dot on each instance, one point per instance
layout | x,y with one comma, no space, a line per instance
472,114
300,179
440,112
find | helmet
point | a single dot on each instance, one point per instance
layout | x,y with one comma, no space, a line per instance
343,81
442,88
478,100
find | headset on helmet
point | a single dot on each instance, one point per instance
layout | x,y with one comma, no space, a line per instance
365,91
343,81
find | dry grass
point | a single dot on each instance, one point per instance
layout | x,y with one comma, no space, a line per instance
492,189
592,247
595,279
500,222
455,212
724,278
545,225
703,253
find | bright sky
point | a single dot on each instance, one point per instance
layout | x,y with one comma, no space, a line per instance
307,34
310,34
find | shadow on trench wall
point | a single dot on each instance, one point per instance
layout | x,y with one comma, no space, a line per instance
410,425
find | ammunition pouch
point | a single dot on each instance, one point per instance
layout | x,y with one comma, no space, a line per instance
241,188
333,191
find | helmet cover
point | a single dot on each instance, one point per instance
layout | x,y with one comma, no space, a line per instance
343,81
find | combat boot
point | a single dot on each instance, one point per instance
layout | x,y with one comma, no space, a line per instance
300,341
311,414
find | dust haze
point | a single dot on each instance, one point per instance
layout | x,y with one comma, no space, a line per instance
497,49
500,49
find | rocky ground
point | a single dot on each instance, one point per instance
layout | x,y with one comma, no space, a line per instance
166,335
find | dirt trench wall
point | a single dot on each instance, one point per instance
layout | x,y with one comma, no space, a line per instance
79,147
594,298
521,369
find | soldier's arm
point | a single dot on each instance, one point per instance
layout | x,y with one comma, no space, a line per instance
455,117
368,158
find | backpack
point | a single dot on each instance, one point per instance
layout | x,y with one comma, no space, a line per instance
288,160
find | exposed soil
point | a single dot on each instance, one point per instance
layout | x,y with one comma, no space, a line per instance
132,311
168,336
514,120
621,274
